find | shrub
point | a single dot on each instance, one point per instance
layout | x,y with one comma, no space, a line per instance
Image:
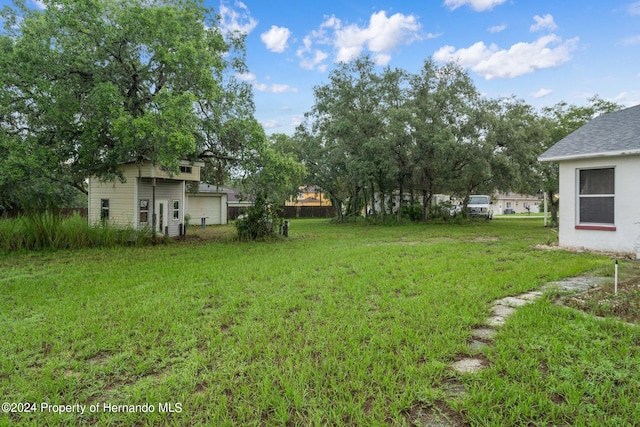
259,221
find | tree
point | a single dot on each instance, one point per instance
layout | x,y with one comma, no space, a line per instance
271,175
450,155
87,85
398,143
345,120
561,120
517,134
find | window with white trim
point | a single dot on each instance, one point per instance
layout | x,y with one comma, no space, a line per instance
176,209
144,210
104,209
596,196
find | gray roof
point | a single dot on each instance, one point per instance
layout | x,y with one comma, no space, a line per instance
613,134
233,195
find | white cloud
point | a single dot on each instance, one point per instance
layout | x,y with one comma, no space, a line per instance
542,93
236,19
497,28
296,119
270,124
381,37
246,77
263,87
634,8
492,62
628,99
543,23
273,88
477,5
631,41
39,4
276,38
311,62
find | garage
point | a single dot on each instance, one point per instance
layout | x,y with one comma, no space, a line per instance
210,203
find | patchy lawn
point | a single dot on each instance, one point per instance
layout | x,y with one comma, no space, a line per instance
340,324
603,300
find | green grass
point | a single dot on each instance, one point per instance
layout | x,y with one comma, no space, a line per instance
338,325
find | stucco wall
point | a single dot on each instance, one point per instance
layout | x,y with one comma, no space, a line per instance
626,205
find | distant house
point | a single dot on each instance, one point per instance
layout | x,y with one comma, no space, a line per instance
150,197
599,173
309,195
516,203
237,202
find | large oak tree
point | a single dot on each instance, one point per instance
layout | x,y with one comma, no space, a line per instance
88,84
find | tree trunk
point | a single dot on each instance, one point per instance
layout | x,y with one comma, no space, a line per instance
553,207
400,199
426,200
373,198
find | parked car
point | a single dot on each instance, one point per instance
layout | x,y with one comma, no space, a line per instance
480,205
509,211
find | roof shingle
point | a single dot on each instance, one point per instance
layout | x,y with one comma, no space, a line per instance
612,134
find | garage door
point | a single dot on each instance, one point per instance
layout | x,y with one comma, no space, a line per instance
209,207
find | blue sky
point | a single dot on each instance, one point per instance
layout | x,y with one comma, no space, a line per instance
541,51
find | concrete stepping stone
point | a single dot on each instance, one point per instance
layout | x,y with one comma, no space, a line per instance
530,296
477,346
495,321
503,310
484,333
468,365
513,301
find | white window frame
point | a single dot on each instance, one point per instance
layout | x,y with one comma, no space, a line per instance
175,212
580,197
104,210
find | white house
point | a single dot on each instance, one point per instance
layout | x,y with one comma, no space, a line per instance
150,197
517,203
599,175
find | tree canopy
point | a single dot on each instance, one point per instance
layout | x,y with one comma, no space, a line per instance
377,138
87,85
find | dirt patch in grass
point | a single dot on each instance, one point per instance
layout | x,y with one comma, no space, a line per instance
437,414
580,250
603,300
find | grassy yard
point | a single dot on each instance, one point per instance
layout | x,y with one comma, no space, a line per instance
338,325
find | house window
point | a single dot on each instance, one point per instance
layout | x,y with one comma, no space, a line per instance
104,209
144,210
508,205
186,169
176,209
596,196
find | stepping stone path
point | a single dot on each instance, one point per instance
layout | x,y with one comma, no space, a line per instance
482,337
502,309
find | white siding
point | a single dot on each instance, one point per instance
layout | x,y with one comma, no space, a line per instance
209,206
627,206
167,190
121,198
124,197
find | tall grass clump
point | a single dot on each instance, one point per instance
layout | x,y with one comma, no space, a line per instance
49,230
